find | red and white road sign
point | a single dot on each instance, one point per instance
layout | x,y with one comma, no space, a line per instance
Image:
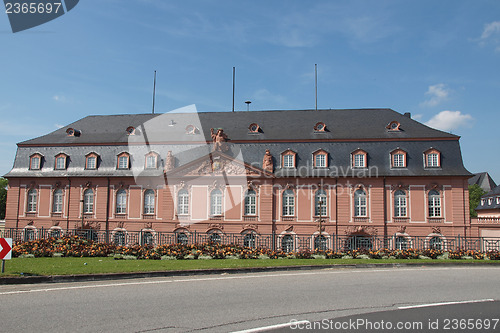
5,248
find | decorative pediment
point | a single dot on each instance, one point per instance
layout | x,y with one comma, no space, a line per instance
401,229
436,230
289,228
214,164
399,186
361,230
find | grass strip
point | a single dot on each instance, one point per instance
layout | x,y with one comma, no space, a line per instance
93,265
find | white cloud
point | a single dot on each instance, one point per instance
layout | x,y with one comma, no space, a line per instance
491,35
449,120
59,98
437,94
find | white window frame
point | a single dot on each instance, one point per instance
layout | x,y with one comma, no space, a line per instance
123,162
359,160
432,160
434,203
32,201
91,162
288,203
400,204
360,203
149,202
33,165
151,161
216,197
57,201
88,201
320,195
60,162
250,203
183,202
121,201
289,161
399,160
320,160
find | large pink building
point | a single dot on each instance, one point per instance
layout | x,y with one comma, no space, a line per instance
288,179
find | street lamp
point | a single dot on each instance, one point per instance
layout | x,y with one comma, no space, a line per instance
320,203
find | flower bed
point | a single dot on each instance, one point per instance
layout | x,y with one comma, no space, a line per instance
74,246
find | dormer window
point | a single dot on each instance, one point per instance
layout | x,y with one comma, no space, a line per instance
288,159
490,201
130,130
398,158
359,158
123,162
191,129
320,159
393,126
482,202
35,162
151,160
498,200
60,162
254,128
91,161
320,127
432,158
72,132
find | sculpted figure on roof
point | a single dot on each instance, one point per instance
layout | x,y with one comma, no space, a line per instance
267,163
169,161
219,139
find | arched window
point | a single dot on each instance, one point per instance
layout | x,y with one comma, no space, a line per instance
360,203
121,202
183,202
214,238
434,204
287,243
123,161
401,243
436,243
149,202
29,234
249,240
320,243
288,203
320,197
400,203
250,203
57,202
182,238
88,201
147,238
32,200
119,238
216,202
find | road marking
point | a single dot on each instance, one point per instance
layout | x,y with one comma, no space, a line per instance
445,303
244,276
268,328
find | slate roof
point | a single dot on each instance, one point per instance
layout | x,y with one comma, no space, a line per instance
347,130
494,193
484,181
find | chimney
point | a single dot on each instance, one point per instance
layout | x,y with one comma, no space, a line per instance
407,114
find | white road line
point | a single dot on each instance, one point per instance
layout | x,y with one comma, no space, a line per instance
445,303
229,277
268,328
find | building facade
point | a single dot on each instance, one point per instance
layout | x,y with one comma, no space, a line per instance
319,173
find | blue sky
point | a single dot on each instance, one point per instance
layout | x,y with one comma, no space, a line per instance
438,60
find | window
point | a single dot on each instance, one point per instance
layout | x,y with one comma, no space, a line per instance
147,238
151,161
250,203
35,162
399,161
287,243
359,158
249,240
436,243
320,197
360,203
55,232
216,202
121,202
288,203
29,234
490,201
432,158
119,238
149,202
393,126
130,130
482,202
123,161
183,202
60,162
182,238
401,243
288,161
254,128
320,127
215,238
57,202
320,243
434,204
400,203
32,200
91,162
88,201
498,200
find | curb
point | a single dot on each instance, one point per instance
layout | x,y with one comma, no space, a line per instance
193,272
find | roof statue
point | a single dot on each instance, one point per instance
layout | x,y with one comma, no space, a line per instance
169,161
267,163
219,139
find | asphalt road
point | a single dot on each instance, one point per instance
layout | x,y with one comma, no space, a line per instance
228,303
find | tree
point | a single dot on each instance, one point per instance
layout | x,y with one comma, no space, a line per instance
3,196
475,194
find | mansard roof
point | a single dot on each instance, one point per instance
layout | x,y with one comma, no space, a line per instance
292,125
346,131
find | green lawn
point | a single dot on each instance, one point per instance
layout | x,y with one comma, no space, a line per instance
66,266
